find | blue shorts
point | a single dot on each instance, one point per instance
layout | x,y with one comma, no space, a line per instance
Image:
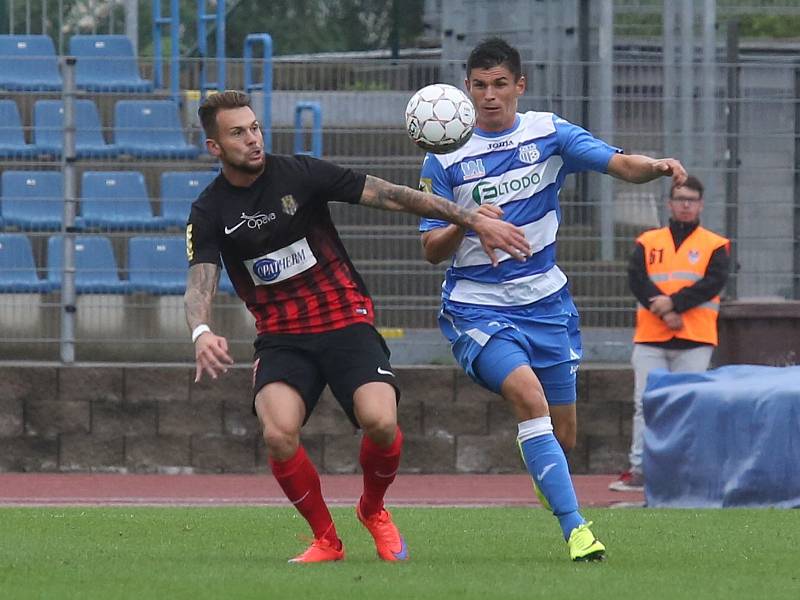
489,344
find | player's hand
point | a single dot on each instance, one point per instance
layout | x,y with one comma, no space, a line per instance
211,355
490,210
670,167
661,305
487,210
673,320
499,235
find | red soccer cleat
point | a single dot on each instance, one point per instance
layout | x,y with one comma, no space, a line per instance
630,481
320,550
388,542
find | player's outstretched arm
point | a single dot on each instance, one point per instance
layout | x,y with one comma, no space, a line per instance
211,351
493,233
637,168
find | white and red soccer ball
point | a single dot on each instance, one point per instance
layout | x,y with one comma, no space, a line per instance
440,118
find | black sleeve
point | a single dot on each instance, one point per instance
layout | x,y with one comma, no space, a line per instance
202,242
641,285
333,183
709,286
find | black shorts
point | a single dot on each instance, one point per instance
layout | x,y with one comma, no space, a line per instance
344,359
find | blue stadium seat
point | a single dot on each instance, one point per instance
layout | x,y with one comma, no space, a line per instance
12,137
157,265
151,129
48,129
116,200
95,265
28,63
106,63
32,200
178,190
17,267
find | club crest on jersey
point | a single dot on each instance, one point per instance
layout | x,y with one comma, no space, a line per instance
694,256
289,204
473,169
529,153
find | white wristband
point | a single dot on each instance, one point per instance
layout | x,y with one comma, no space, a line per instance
199,330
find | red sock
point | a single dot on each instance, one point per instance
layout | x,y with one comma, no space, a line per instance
380,468
299,480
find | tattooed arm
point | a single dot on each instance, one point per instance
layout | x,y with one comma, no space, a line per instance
211,351
493,233
200,289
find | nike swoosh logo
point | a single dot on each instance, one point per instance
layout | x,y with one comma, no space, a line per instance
384,372
386,475
545,471
303,497
234,228
403,554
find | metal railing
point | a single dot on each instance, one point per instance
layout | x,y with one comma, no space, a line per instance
750,163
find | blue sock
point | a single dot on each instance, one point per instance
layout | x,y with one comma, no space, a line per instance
547,464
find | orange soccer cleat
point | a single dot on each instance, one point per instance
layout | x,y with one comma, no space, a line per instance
388,542
320,550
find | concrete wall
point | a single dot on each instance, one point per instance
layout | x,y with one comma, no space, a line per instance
154,419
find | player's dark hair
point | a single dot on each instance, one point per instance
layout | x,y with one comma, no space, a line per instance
692,182
495,52
214,103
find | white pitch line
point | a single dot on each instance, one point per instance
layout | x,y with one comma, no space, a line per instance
250,501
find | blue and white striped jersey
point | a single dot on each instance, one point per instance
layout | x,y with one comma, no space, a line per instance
521,170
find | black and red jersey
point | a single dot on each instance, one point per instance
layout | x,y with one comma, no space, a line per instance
280,247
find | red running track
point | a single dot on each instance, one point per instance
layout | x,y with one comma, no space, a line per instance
81,489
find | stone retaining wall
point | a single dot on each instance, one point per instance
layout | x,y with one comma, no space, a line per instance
155,419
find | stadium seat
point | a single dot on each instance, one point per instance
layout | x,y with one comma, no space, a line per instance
106,63
32,200
12,137
95,265
157,265
17,266
178,191
151,129
28,63
116,200
48,129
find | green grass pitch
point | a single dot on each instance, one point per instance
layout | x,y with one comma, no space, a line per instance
456,553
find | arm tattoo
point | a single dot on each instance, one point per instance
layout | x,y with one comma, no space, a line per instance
201,286
388,196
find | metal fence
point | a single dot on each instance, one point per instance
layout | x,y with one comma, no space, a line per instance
753,184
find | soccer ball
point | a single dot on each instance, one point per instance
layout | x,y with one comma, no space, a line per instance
440,118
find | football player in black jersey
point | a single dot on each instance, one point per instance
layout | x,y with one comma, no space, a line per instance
266,217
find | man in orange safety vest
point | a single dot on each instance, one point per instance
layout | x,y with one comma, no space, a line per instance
676,273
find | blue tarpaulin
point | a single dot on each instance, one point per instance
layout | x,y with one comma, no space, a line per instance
725,437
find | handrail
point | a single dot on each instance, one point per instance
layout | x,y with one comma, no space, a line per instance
173,22
202,45
316,128
266,80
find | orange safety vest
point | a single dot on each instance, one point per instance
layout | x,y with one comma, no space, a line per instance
672,270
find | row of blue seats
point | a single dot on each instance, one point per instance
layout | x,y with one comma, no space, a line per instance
142,128
156,265
105,63
111,200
